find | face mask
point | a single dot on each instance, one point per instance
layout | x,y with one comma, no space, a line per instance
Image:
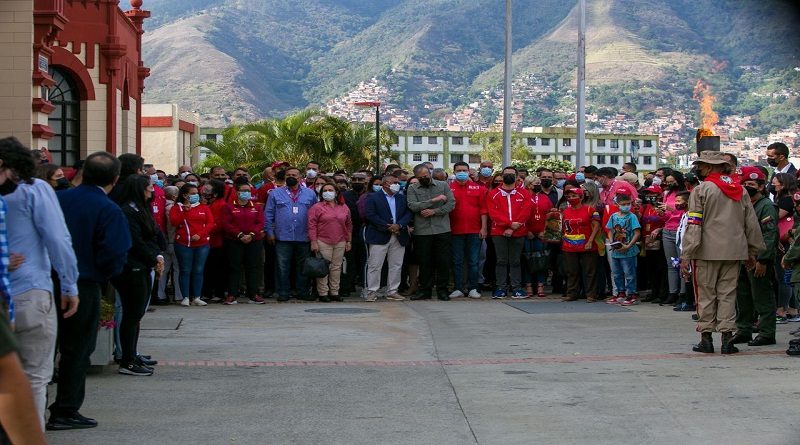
318,188
752,191
376,188
547,183
625,208
486,172
184,175
537,188
394,188
328,196
8,187
244,196
426,181
574,200
673,186
153,179
291,181
62,184
560,183
656,180
580,177
358,187
194,199
311,174
194,183
509,178
681,206
772,162
160,183
403,184
462,176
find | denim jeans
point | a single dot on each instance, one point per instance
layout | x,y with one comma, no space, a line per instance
192,263
625,274
286,252
469,247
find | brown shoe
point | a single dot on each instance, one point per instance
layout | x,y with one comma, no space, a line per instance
396,297
570,298
591,300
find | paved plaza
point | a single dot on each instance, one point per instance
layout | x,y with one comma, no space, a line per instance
459,372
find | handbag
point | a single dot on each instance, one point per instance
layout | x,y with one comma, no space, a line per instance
315,267
537,261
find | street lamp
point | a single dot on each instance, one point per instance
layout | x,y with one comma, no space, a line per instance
377,106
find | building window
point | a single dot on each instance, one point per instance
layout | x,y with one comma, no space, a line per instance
614,143
532,142
456,157
433,157
417,157
567,158
65,120
647,160
634,145
601,159
566,142
546,141
416,140
458,140
545,157
474,159
648,144
601,142
614,159
432,140
211,137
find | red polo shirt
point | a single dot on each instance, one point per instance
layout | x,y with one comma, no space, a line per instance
470,198
539,210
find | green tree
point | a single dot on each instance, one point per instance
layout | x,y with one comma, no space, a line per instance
492,146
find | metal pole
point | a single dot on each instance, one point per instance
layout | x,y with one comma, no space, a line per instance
377,139
507,98
580,151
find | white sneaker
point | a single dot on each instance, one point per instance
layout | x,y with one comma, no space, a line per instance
185,302
371,297
199,302
473,294
457,294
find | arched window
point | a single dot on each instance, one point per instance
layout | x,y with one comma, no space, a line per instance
65,120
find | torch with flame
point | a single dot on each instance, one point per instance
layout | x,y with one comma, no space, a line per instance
702,94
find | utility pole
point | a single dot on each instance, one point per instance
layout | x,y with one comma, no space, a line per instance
580,149
507,99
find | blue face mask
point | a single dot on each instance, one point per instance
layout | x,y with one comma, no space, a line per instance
486,172
403,184
560,183
160,183
244,196
376,188
580,177
462,176
626,208
194,199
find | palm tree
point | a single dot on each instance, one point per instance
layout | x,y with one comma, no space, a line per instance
234,150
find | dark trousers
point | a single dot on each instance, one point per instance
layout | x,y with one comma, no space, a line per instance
77,337
653,272
433,254
269,268
245,257
288,254
581,268
556,259
755,296
133,286
214,282
490,264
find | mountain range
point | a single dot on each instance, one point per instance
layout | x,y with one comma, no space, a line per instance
237,60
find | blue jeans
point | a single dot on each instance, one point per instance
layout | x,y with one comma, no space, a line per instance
192,263
286,253
468,246
624,270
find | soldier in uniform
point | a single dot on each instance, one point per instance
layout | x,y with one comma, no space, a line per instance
722,232
754,293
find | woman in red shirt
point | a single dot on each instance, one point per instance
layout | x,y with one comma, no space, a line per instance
193,222
534,245
579,226
242,224
330,230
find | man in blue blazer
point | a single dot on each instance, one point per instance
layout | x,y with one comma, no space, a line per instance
386,235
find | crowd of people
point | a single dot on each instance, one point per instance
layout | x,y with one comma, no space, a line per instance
716,241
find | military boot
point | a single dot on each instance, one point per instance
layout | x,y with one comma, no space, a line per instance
727,344
706,344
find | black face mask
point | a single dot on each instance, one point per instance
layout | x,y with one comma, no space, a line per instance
509,178
8,187
358,187
547,183
291,181
537,188
62,184
674,186
772,162
425,181
752,191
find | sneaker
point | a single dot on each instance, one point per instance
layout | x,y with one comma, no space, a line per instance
499,294
395,297
134,369
371,297
630,301
780,320
616,300
257,300
185,301
215,299
457,294
519,294
793,318
229,300
474,293
198,302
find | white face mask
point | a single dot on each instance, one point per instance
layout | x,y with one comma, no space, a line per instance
311,174
328,196
394,188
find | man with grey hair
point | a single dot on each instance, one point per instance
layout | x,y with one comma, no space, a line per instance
170,260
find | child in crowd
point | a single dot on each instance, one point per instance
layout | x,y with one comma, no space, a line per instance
686,299
624,232
580,226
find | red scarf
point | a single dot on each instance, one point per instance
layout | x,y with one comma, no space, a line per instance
732,189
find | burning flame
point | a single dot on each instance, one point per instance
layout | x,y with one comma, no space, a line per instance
702,94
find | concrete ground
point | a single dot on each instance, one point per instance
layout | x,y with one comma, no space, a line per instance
458,372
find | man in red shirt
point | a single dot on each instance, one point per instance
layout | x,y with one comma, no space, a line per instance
469,225
606,177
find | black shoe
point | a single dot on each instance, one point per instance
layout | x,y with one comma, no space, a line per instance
421,296
306,298
695,317
325,299
727,344
742,338
761,341
706,344
134,369
283,299
336,298
146,361
72,422
157,302
443,297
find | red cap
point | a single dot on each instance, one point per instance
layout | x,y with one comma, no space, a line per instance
571,177
279,163
654,189
751,174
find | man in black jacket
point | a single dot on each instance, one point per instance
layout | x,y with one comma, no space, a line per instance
101,239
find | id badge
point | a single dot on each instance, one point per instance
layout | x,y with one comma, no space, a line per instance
295,210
